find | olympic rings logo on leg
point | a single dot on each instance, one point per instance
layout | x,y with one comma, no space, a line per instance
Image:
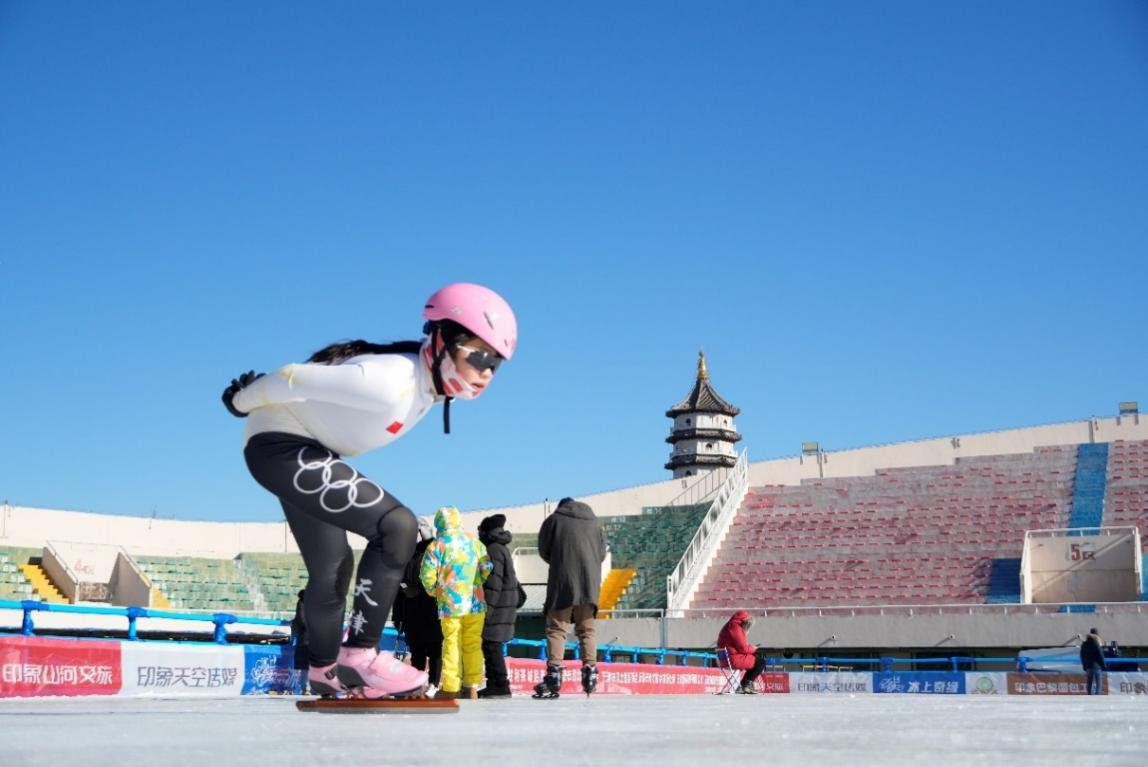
326,471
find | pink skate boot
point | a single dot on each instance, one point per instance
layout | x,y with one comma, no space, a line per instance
368,673
324,681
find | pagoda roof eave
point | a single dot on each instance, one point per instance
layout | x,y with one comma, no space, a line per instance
702,399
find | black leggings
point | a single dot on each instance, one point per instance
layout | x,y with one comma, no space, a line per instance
323,498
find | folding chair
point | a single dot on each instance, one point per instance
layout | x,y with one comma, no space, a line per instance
731,674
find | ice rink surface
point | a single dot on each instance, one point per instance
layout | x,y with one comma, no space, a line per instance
671,730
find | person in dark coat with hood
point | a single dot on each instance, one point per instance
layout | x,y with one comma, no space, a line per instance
742,655
415,613
1092,659
572,542
502,602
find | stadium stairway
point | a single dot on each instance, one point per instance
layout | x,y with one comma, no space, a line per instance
1004,581
613,587
1144,577
42,585
1088,490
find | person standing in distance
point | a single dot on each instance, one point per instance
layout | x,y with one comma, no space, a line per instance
572,542
415,613
504,595
349,398
453,569
1092,659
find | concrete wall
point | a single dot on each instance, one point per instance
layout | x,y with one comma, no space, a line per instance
942,451
925,628
127,584
87,572
1084,568
24,526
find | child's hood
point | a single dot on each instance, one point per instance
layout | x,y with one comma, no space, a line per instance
447,520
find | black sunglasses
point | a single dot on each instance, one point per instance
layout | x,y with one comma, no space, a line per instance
480,359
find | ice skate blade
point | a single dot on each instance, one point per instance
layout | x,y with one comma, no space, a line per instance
379,706
359,693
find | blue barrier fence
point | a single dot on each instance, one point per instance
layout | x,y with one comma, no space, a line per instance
133,614
535,647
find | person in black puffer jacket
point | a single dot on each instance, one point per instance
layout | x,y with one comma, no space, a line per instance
415,613
1092,659
504,596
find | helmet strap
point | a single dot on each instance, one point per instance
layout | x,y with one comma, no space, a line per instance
438,352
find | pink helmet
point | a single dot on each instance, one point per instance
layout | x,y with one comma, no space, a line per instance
480,310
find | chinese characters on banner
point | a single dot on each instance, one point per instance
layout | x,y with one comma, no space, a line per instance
31,666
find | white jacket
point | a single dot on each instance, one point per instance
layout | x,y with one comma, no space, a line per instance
357,405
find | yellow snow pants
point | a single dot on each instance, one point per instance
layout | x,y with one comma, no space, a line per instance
462,651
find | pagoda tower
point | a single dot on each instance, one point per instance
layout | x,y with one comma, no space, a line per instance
703,434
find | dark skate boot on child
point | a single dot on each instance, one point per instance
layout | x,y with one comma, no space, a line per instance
550,684
589,678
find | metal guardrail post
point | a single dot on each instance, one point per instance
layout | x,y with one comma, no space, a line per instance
27,627
133,613
221,620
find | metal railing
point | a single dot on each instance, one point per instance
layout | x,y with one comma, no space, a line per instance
704,488
684,578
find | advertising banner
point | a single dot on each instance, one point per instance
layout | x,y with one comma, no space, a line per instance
773,682
30,666
830,682
1121,683
155,670
920,682
269,668
619,678
986,683
1048,684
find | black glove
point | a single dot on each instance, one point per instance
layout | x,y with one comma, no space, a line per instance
238,385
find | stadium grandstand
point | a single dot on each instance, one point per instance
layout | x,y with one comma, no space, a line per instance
975,545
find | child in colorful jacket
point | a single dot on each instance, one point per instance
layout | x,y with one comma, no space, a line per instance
453,570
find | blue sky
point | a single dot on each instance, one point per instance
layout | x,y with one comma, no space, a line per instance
882,221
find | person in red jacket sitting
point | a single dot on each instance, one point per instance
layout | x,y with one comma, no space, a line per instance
742,654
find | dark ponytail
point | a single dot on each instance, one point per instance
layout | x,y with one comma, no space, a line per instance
449,334
336,353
